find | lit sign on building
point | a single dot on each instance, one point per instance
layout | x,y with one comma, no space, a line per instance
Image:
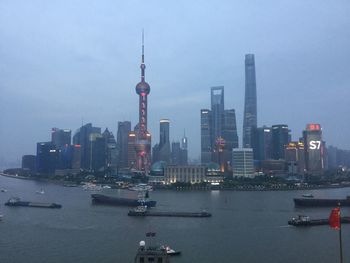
315,145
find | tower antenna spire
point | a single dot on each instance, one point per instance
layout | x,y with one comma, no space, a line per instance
143,46
143,66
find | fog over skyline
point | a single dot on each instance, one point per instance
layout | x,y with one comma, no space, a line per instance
67,62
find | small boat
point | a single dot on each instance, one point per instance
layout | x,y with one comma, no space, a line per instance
40,192
170,251
92,187
106,187
307,195
141,187
3,190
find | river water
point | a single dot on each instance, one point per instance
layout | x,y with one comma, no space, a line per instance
245,227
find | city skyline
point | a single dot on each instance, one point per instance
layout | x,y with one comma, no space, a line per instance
56,73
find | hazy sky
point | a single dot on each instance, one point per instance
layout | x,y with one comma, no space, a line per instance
63,62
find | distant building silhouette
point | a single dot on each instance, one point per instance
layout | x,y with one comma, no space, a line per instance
206,148
29,163
124,128
250,100
83,138
61,137
175,153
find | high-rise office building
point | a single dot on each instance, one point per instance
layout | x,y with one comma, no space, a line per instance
124,127
314,148
47,157
243,165
250,101
229,133
131,150
184,150
261,143
279,139
164,140
61,137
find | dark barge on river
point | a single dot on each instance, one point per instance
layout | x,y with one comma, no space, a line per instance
120,201
314,202
142,211
17,202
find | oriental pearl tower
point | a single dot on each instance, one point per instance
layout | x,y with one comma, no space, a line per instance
143,137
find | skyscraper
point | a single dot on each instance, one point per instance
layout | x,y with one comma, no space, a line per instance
143,137
218,123
124,127
250,101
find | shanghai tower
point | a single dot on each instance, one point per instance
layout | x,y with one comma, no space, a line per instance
143,137
250,108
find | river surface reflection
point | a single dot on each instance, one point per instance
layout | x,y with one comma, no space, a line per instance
245,227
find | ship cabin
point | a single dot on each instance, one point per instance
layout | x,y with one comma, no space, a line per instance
151,254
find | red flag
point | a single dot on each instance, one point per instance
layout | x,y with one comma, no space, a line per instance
334,218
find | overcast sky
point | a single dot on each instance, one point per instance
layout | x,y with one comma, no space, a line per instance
66,62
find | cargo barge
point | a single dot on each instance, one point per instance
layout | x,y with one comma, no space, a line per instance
306,221
18,202
142,211
312,202
119,201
